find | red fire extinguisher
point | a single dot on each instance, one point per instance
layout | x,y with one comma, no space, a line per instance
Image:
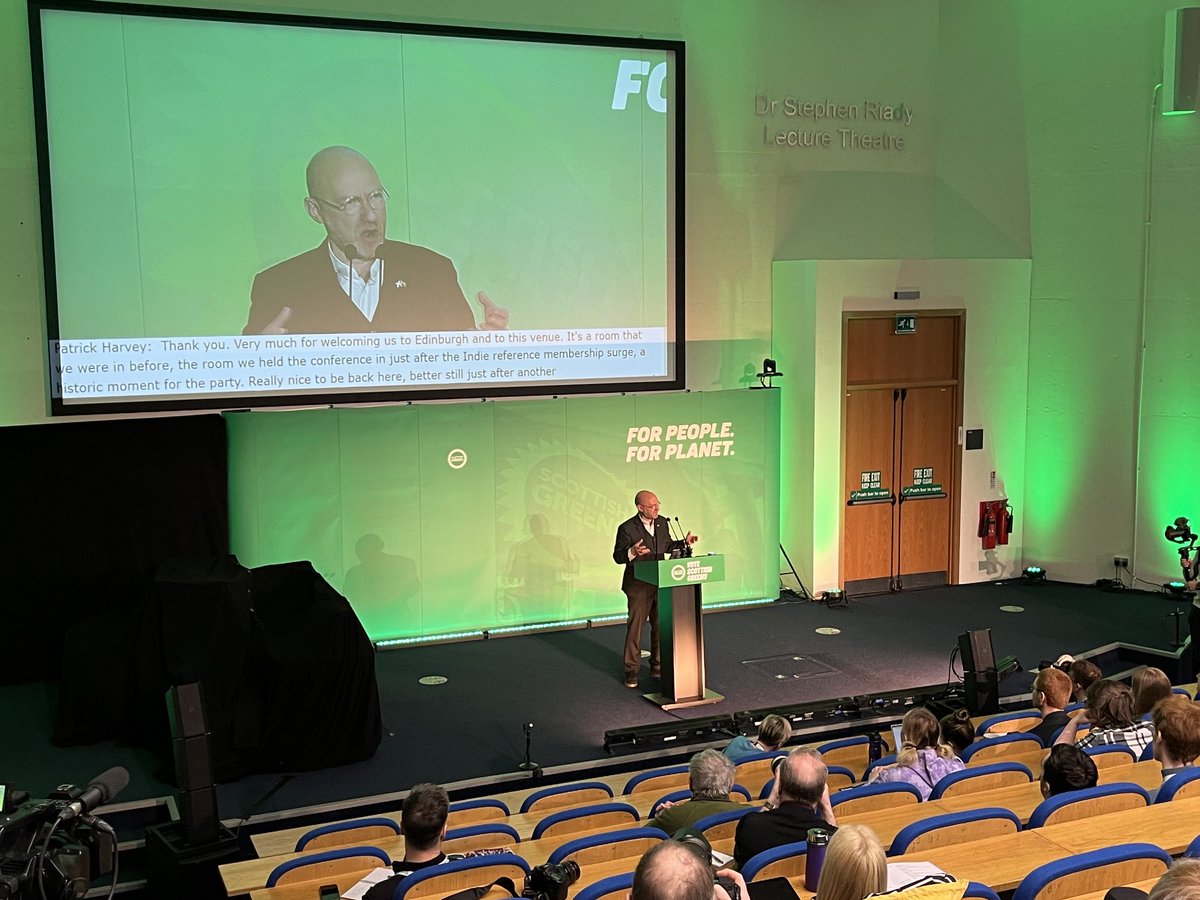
995,522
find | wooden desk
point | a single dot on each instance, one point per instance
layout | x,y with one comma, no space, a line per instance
1171,826
999,862
274,843
1023,799
886,823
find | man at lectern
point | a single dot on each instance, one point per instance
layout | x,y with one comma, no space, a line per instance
645,536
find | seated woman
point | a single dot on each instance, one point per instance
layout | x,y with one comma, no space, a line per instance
922,759
773,733
1110,710
855,865
957,731
1149,686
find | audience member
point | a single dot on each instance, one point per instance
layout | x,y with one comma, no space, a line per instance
670,871
855,865
1176,734
710,777
1149,686
1110,710
799,801
1084,674
1180,882
423,824
774,732
1051,693
957,731
1067,768
922,759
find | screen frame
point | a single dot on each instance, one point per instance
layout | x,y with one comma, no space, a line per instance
676,348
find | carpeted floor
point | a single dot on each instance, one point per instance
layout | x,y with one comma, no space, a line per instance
567,683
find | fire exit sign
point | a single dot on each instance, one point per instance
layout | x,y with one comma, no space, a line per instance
906,324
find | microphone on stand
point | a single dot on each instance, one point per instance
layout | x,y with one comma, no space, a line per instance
687,548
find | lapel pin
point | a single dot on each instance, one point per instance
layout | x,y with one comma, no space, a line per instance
401,284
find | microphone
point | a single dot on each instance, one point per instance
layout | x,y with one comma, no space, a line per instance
687,548
103,788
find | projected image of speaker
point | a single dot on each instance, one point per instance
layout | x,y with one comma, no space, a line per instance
979,671
193,763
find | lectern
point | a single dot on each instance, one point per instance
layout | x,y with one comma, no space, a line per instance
680,626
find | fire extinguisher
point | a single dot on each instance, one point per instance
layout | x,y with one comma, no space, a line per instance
989,525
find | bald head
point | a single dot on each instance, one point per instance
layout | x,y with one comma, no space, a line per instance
670,871
327,164
802,776
334,177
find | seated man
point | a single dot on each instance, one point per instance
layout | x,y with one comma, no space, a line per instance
773,733
671,871
1067,768
423,824
1051,694
710,778
799,801
1176,734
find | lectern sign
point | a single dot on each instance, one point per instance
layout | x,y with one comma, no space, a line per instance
697,570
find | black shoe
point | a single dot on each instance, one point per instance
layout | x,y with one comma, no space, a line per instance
631,679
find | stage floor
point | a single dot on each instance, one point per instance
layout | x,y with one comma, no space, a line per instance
568,684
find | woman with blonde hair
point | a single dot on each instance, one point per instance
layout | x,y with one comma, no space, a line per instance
922,759
855,865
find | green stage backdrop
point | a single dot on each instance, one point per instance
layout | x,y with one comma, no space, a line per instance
437,518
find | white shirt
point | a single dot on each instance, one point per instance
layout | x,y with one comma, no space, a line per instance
364,294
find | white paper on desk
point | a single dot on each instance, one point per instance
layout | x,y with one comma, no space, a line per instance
900,874
373,878
721,860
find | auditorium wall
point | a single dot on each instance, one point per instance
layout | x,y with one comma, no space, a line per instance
1028,140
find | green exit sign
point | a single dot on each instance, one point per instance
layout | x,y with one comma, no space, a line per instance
906,324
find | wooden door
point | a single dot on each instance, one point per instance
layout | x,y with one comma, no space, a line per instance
928,436
900,474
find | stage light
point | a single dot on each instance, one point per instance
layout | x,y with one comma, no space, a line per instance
1174,587
834,597
1034,573
769,370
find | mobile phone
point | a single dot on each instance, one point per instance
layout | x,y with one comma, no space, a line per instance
330,892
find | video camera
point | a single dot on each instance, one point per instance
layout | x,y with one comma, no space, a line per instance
53,849
1179,532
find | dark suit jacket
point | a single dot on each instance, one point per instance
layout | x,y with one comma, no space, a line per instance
630,532
429,300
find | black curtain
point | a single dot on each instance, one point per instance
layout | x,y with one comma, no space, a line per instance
96,507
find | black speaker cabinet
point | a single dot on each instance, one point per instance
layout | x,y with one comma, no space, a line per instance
185,710
983,692
193,764
975,649
1181,61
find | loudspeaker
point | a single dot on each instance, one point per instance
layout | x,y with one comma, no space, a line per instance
198,810
185,710
1181,61
983,693
193,762
975,648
